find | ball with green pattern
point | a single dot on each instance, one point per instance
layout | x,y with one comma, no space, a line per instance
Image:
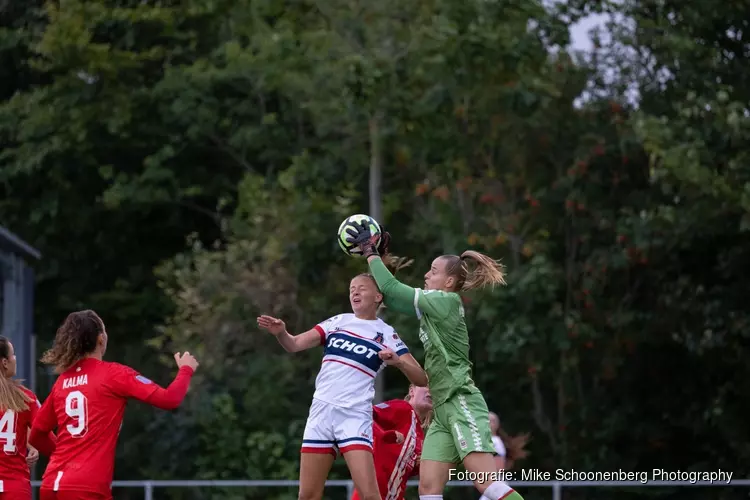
343,236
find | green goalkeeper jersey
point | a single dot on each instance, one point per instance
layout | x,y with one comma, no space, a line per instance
442,331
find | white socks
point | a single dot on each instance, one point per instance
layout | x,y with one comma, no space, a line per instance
497,490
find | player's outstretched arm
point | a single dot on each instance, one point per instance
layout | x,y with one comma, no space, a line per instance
290,343
407,364
129,383
434,303
397,295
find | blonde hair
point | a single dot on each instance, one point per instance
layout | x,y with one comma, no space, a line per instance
427,418
485,272
12,396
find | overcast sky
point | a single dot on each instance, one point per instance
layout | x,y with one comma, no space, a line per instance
579,31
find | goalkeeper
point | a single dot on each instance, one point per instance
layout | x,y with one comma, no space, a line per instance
460,429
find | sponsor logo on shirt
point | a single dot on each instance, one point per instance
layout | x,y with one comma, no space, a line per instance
423,337
143,380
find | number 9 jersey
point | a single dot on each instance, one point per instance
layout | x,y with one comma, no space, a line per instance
87,404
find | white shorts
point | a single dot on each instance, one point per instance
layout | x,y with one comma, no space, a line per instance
332,428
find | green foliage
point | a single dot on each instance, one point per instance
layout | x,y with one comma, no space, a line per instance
248,129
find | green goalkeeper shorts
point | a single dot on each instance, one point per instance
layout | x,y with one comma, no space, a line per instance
459,426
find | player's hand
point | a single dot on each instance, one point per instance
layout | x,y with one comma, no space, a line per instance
399,438
364,239
389,357
384,243
32,456
186,359
273,325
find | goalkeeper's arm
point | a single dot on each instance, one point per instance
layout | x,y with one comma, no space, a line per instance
396,295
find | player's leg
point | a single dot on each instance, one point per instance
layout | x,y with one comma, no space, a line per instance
353,431
362,469
470,424
439,456
317,454
313,473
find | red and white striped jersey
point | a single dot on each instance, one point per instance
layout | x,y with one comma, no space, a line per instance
396,463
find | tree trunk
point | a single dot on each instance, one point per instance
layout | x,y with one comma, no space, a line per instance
376,208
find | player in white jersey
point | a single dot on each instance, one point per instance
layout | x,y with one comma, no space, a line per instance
357,345
506,456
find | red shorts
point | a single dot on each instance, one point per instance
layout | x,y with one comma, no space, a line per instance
73,495
15,495
14,489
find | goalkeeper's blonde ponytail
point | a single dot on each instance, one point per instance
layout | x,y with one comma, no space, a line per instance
486,271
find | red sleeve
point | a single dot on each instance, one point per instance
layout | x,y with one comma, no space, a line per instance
325,327
392,414
128,383
44,442
33,405
43,422
322,334
383,436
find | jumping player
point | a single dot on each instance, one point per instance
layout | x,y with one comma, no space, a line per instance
18,408
460,430
357,346
87,403
398,429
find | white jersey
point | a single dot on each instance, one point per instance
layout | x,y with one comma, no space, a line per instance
499,446
351,362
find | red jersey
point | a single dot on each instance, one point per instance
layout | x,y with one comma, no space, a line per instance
87,404
14,428
395,463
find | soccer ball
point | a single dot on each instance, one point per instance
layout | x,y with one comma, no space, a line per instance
343,236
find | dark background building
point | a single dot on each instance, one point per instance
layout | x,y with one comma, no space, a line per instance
17,300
